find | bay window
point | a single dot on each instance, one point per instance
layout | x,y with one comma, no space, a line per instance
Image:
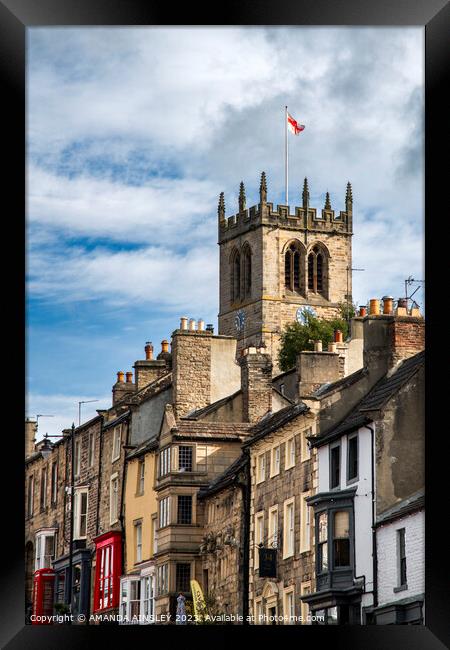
164,461
163,579
148,598
185,455
322,546
45,549
183,577
341,539
164,512
184,514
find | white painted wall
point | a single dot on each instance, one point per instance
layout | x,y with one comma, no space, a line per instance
414,525
362,501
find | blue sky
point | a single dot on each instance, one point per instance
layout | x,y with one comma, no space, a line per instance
133,132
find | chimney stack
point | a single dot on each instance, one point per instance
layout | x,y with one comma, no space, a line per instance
256,383
121,388
30,436
148,351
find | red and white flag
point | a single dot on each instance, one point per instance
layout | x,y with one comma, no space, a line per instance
293,125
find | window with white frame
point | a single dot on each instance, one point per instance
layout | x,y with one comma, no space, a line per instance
305,524
154,533
77,457
289,606
164,512
275,461
147,599
163,579
45,548
91,448
288,528
114,498
305,452
290,453
80,512
273,527
141,476
259,536
164,461
117,440
261,468
130,599
138,540
305,589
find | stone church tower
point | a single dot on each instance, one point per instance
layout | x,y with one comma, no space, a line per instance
274,265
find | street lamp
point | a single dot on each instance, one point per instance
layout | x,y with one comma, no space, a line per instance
45,451
86,401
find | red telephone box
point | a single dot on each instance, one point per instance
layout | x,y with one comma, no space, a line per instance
43,595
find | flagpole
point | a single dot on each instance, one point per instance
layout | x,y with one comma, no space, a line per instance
286,153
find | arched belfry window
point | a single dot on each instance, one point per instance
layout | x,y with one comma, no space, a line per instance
235,276
292,268
317,270
247,270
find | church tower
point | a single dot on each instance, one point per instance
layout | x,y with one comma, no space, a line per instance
274,265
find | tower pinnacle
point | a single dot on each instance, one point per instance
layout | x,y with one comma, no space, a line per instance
242,199
221,207
305,193
263,188
327,202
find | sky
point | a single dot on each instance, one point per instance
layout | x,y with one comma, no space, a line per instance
132,133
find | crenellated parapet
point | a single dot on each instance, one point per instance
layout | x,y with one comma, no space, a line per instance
304,218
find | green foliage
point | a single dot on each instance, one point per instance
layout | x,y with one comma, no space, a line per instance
297,338
347,311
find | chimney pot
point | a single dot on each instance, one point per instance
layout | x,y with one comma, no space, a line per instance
164,346
201,325
338,338
332,347
129,377
192,325
388,303
362,310
317,346
148,351
374,307
120,376
402,303
183,323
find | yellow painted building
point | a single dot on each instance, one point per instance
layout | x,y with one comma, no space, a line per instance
140,516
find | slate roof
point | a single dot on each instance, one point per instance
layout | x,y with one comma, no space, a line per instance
227,478
375,399
270,423
407,506
210,430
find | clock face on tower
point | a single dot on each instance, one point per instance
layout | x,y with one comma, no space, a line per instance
302,313
239,321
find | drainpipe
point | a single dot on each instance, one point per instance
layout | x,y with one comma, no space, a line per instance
245,486
122,492
100,453
374,534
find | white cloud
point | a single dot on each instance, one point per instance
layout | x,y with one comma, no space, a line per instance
63,408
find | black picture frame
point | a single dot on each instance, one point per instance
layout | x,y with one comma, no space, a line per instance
15,17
